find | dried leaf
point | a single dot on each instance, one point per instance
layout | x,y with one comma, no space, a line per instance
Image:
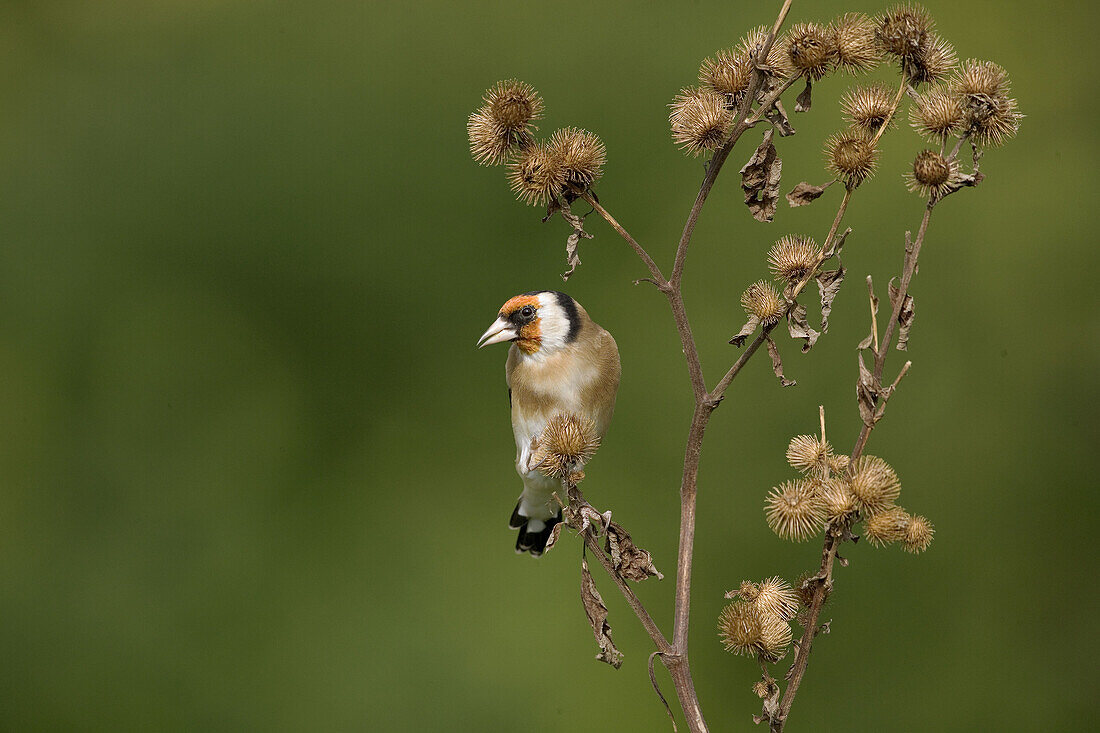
777,365
573,241
905,316
803,102
837,244
866,393
799,327
778,117
828,284
867,342
553,539
747,330
805,193
596,611
631,561
770,708
760,180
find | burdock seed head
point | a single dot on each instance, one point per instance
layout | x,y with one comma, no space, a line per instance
761,689
851,156
903,30
808,50
932,175
936,113
868,106
728,73
885,527
747,591
981,77
874,484
581,155
794,258
536,175
838,464
751,46
513,104
761,300
990,114
739,628
919,535
503,124
490,144
775,597
854,41
807,452
933,63
794,511
564,445
775,637
836,499
699,120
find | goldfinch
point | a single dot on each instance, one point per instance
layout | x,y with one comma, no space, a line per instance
560,361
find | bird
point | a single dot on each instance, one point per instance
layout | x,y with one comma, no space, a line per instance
560,362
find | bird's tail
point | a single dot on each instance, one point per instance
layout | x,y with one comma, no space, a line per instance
533,533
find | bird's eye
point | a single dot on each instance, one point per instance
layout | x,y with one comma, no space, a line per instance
527,312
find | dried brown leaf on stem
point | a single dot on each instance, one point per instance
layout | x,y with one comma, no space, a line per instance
805,193
799,327
596,611
828,285
905,316
777,365
760,180
629,560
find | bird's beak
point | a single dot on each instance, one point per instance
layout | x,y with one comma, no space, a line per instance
501,330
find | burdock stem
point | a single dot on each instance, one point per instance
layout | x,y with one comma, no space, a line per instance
834,535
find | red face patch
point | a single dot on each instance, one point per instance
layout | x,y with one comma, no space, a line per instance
514,304
530,334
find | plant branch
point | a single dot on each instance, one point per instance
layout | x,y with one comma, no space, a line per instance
898,302
636,604
835,535
677,659
720,389
658,277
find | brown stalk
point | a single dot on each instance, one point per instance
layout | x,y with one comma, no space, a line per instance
676,659
834,536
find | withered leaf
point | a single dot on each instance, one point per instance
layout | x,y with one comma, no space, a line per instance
866,393
828,284
837,244
573,241
805,193
747,330
553,539
905,316
631,561
867,342
770,709
803,102
778,117
777,364
596,611
799,327
760,180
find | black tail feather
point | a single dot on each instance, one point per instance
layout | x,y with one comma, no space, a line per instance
532,542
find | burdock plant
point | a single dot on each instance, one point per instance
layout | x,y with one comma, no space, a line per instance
839,496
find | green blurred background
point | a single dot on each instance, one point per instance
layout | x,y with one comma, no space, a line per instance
255,476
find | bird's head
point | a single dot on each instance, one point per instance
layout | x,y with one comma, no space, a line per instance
540,322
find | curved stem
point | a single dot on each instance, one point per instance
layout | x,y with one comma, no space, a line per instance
654,270
635,603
